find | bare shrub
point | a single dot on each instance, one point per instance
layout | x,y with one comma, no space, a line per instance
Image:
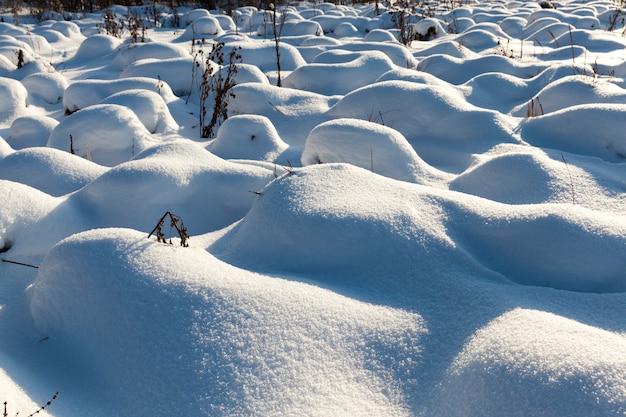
217,84
110,25
136,28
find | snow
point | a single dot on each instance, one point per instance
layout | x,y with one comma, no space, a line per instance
568,129
85,93
248,137
426,230
49,170
30,131
50,86
108,134
341,78
154,279
15,100
508,358
368,145
440,136
148,106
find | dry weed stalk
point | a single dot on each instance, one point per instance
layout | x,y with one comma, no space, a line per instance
39,410
571,180
175,223
534,108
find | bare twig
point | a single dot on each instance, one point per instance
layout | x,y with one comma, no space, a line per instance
571,181
43,407
20,263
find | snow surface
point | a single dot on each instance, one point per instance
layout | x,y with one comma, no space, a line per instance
426,230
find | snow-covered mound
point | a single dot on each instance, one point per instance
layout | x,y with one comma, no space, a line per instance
231,341
574,90
175,72
360,225
151,50
398,54
519,174
337,218
444,136
84,93
248,137
49,86
49,170
107,134
246,73
330,79
569,130
30,130
180,177
368,145
22,207
498,91
578,259
293,112
531,360
202,27
263,55
14,100
149,107
95,46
